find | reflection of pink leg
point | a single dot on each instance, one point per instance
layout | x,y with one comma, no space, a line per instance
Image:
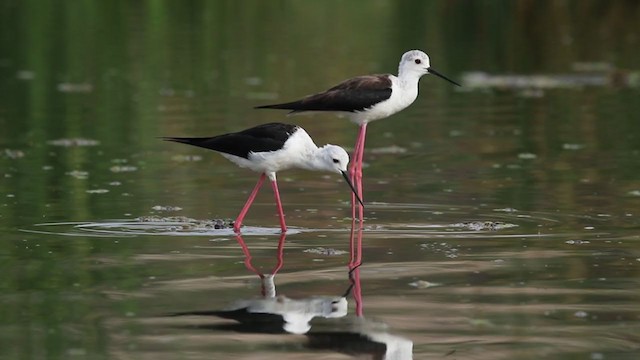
357,293
280,254
247,255
355,243
248,264
355,246
274,185
247,205
352,243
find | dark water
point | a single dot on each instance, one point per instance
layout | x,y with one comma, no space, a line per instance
502,217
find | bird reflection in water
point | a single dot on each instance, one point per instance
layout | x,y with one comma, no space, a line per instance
358,336
272,313
277,314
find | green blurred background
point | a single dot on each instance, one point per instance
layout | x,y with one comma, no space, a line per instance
120,74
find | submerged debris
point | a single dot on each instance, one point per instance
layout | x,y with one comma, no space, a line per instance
73,142
484,225
154,218
447,249
75,87
78,174
592,66
422,284
25,75
186,158
13,154
527,156
581,314
97,191
551,81
325,251
393,149
577,242
182,223
601,78
573,146
166,208
507,210
123,168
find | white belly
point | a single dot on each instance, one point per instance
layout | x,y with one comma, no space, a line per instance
292,155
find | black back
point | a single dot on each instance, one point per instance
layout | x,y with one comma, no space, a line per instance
352,95
261,138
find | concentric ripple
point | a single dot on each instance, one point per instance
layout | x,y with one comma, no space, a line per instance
150,225
385,218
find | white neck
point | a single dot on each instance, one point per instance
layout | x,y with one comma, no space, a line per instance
408,78
312,159
308,154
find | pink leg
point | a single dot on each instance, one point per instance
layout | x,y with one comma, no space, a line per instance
354,156
353,168
283,226
247,205
352,174
356,172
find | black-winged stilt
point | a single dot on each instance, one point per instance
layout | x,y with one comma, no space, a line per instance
269,148
367,98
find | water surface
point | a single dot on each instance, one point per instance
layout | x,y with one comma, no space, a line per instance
502,217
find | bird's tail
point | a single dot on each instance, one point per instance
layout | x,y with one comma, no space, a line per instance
184,140
285,106
205,142
293,106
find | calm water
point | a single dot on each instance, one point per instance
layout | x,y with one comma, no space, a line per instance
502,217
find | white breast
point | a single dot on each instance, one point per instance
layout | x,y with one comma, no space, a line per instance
403,94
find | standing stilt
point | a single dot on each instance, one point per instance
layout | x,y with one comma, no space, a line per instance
272,147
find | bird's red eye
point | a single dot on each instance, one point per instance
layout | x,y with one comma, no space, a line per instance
418,61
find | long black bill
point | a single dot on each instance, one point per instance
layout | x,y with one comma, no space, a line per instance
346,177
432,71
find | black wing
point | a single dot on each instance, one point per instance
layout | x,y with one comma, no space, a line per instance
352,95
266,137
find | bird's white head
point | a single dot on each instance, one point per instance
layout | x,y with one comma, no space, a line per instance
333,158
414,63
